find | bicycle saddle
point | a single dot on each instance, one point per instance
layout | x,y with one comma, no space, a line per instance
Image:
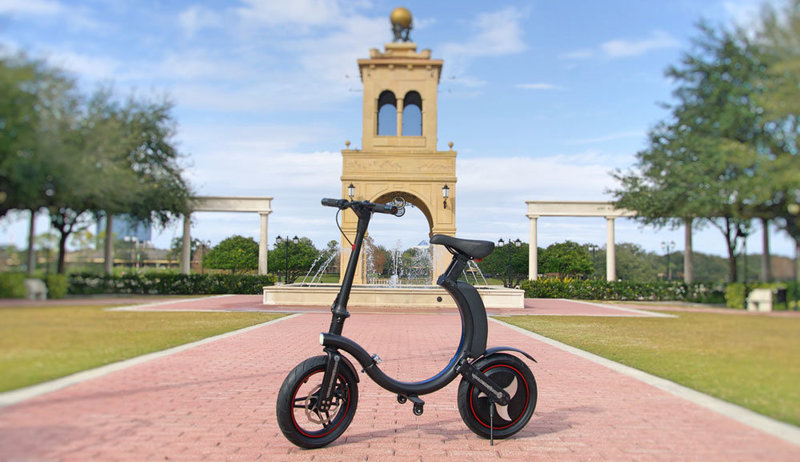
468,247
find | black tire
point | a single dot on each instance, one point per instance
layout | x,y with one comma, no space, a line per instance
474,405
298,420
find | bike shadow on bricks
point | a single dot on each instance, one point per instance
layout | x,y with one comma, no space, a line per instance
546,423
441,430
558,420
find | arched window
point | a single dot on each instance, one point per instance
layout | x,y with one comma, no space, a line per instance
412,114
387,114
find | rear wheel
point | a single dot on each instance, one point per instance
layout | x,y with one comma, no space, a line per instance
479,413
301,418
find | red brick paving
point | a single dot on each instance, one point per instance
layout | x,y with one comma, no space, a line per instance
217,402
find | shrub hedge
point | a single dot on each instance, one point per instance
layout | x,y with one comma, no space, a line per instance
735,293
168,284
57,285
12,285
592,289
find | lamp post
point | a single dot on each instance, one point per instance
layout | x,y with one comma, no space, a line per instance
668,247
593,249
743,233
279,240
204,246
445,195
351,191
502,243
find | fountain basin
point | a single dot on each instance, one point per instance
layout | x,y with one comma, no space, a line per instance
401,296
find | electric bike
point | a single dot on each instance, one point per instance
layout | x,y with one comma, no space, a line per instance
497,393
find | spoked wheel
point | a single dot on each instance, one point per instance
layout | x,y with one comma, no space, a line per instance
301,418
479,413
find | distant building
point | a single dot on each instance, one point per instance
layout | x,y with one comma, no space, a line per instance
124,226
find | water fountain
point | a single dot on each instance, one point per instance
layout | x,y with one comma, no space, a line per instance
408,285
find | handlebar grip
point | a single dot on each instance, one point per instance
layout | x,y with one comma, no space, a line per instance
385,208
338,203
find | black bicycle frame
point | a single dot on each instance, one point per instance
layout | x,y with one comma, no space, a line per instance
473,328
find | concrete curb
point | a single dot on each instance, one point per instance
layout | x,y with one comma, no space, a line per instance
167,302
620,308
16,396
742,415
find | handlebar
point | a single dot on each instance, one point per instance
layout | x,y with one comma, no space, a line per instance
342,204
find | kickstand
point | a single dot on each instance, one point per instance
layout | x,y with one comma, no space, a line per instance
491,422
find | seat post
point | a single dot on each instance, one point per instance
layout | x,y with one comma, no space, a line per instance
454,270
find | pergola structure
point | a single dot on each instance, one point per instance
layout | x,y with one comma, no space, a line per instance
607,210
260,205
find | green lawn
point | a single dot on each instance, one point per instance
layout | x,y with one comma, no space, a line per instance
43,343
752,361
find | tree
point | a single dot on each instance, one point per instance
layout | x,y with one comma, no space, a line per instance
778,46
176,248
300,258
236,253
33,98
703,162
141,159
496,264
566,259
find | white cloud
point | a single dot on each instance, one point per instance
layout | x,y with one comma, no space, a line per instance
626,48
31,7
295,12
496,33
539,86
196,18
609,137
578,54
87,66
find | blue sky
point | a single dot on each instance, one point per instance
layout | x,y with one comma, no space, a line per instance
542,99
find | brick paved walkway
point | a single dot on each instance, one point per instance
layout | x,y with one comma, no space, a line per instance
217,402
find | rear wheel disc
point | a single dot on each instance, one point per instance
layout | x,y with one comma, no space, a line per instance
517,380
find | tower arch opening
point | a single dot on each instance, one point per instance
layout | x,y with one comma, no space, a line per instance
387,114
412,114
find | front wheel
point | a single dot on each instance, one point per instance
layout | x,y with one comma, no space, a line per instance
300,417
481,415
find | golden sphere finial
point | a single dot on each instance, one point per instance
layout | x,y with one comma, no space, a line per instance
401,16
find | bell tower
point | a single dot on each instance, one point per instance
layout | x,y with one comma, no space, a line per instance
398,155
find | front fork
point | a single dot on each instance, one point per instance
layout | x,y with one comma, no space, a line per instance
329,379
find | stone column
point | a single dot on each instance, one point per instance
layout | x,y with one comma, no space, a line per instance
399,116
108,245
766,264
611,257
262,244
533,250
186,250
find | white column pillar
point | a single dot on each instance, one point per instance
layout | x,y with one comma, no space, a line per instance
688,266
611,253
186,250
262,244
533,250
